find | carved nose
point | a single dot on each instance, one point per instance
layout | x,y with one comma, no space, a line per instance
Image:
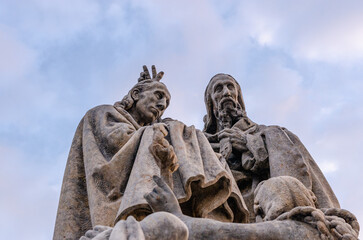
226,92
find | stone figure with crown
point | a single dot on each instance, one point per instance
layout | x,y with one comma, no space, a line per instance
132,175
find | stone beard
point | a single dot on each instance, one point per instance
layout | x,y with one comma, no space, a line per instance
132,175
227,113
116,151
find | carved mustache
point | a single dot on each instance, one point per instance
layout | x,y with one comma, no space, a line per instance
226,99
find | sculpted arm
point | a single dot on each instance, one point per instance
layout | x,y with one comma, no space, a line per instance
109,143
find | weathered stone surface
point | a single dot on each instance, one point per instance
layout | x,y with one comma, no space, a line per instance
132,175
291,215
257,152
110,166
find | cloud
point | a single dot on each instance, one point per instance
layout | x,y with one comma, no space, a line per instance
299,66
328,166
16,59
43,22
312,30
30,196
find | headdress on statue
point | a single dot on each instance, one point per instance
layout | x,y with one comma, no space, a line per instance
145,82
210,121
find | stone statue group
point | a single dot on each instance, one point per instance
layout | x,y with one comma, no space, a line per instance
133,175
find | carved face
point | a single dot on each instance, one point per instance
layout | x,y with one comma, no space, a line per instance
151,102
224,93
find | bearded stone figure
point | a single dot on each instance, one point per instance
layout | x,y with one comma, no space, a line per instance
116,151
132,175
257,152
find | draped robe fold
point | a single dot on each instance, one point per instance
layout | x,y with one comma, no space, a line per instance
110,168
278,152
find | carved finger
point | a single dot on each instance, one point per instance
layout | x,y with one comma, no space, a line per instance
161,152
319,215
229,130
101,228
336,234
151,199
343,229
91,233
165,143
159,76
158,190
142,77
153,69
248,164
146,71
174,167
235,140
160,182
161,127
322,228
223,135
301,211
104,235
153,195
211,137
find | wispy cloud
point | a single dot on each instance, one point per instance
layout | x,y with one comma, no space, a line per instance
299,66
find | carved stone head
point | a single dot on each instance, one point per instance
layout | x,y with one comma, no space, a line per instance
146,101
224,102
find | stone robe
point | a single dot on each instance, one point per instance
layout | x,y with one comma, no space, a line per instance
276,152
110,168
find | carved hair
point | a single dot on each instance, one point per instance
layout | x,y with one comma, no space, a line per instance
210,121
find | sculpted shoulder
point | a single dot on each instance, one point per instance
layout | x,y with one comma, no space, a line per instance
101,108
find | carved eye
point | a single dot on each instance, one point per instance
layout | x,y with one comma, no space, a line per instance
230,86
159,95
218,88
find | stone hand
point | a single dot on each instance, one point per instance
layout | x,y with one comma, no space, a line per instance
248,162
162,151
145,75
98,233
213,138
162,198
236,137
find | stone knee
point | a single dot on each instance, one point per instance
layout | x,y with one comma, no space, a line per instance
164,225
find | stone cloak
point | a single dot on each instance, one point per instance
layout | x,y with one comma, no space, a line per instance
279,152
110,168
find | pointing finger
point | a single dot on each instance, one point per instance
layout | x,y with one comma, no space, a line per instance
160,76
160,182
153,69
146,71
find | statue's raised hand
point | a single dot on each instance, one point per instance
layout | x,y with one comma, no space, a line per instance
163,153
236,137
145,75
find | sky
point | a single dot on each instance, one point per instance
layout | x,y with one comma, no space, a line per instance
299,64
